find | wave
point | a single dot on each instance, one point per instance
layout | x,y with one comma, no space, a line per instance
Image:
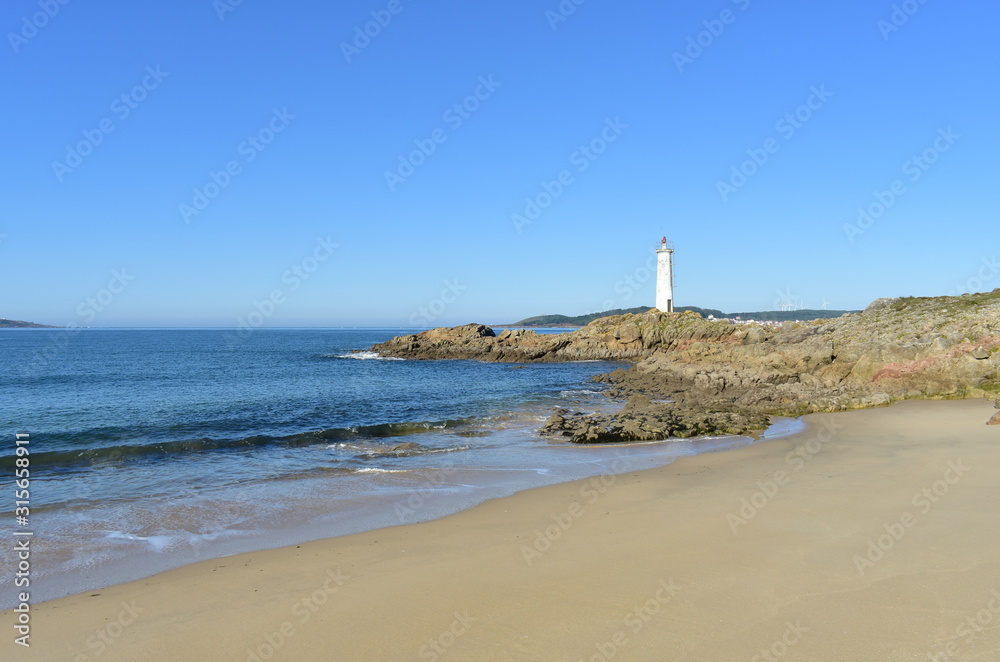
174,449
571,393
164,542
362,356
156,543
407,450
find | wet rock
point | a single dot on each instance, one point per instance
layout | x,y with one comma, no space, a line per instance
406,447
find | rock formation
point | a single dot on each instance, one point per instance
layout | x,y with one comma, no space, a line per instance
723,378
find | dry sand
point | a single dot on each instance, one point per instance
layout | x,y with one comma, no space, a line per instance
655,565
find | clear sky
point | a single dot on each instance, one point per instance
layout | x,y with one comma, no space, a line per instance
189,163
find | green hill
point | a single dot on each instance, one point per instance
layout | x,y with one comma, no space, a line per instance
579,320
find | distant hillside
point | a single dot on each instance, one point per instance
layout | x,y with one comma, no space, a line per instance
804,315
763,316
579,320
18,324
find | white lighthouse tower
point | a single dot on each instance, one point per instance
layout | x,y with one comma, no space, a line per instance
665,276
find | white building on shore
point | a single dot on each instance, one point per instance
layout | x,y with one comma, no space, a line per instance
665,276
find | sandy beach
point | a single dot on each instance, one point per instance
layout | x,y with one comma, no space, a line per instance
871,535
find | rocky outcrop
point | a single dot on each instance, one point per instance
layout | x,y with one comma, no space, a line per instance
642,419
724,378
618,338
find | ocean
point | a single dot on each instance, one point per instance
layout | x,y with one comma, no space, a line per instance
155,448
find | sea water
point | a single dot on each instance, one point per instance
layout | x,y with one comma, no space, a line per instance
154,448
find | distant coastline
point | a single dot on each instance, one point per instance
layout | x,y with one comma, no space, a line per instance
18,324
565,321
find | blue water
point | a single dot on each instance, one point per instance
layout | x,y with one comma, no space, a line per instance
155,448
266,407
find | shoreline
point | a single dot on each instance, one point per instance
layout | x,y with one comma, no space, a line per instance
388,497
716,556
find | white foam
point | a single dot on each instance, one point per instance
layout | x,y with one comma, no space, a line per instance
156,543
368,356
579,392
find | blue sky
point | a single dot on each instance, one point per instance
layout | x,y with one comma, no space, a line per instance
118,209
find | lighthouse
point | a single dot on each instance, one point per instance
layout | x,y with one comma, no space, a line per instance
665,276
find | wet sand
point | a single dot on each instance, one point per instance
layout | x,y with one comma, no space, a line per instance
871,535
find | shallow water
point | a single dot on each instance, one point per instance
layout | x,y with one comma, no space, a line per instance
151,449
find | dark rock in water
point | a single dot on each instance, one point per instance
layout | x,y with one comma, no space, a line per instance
995,420
644,420
556,423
